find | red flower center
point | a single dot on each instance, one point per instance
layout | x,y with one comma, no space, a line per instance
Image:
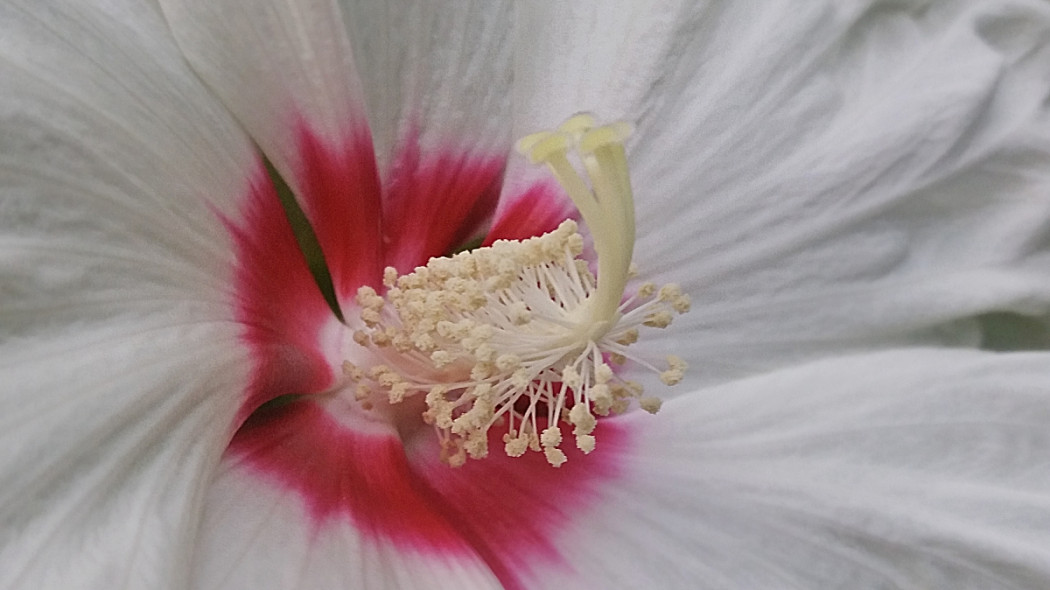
383,475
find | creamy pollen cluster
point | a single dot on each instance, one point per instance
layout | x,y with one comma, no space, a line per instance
521,335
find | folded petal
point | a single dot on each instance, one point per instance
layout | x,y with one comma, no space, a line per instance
286,71
121,365
116,166
833,177
312,494
906,469
294,338
275,64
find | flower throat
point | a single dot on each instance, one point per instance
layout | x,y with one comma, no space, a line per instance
522,336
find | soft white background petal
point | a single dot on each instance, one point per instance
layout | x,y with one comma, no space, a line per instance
908,469
120,367
823,177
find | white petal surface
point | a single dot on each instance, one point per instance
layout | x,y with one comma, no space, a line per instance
571,57
109,439
600,57
830,177
907,469
120,367
439,71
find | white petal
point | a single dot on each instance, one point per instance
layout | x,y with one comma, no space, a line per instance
839,176
597,57
286,71
907,469
436,72
120,367
115,166
275,64
571,57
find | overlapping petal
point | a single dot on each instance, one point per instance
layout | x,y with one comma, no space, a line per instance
275,64
286,71
906,469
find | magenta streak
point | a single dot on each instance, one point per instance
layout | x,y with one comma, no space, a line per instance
339,190
433,204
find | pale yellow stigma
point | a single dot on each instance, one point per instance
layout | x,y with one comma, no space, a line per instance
519,335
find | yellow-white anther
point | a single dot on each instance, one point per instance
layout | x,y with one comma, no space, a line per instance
629,337
580,416
571,378
550,437
508,363
352,371
603,373
675,372
555,456
441,358
397,392
650,404
515,446
659,319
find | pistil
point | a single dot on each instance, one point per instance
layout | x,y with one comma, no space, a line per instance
521,334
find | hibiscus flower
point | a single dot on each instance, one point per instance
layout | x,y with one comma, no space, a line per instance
853,194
